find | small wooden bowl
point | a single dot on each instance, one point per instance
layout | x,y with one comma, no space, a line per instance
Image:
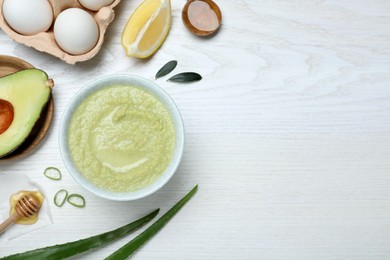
202,17
9,65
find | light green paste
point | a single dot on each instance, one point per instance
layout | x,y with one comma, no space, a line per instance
121,138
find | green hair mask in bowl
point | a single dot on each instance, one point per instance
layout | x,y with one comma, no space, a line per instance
122,137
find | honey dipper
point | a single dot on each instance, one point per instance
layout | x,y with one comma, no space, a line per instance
26,207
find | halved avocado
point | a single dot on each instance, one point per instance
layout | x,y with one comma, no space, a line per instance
23,96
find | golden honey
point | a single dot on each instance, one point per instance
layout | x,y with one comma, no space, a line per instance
17,196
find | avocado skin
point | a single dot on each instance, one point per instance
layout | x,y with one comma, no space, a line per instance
29,93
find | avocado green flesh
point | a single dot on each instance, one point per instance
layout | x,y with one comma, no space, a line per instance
121,138
28,93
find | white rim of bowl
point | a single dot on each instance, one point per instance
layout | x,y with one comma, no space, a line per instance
145,85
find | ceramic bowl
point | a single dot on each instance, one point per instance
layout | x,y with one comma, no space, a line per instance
153,89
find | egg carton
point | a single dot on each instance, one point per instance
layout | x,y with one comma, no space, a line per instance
45,41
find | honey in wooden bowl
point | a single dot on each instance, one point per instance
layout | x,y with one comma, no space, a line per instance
202,17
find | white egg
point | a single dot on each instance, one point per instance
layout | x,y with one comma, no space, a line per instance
95,5
75,31
28,17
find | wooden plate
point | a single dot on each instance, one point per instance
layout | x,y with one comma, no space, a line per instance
10,65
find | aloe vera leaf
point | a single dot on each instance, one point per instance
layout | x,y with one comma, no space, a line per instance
129,248
63,251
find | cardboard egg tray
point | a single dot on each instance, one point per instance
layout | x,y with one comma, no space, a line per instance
45,41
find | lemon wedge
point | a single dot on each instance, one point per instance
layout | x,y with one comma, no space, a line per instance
147,28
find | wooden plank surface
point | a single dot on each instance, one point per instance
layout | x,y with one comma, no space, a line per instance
287,135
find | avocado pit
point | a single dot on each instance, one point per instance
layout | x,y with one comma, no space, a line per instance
6,115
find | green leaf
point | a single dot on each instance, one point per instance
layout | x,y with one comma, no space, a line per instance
77,247
166,69
137,242
186,77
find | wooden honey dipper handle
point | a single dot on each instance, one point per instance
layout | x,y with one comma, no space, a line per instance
26,207
8,222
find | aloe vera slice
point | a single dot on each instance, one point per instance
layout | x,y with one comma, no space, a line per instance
53,173
76,200
129,248
63,251
60,197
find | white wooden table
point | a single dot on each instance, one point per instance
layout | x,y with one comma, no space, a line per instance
287,135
